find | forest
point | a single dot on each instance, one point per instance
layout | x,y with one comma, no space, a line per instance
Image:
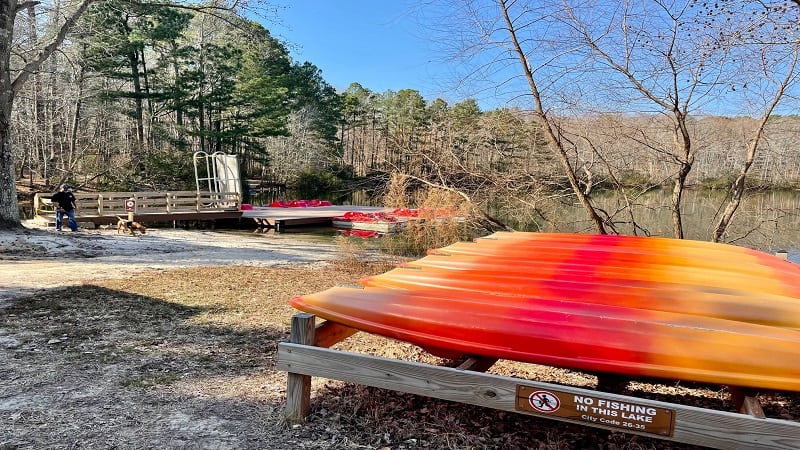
134,89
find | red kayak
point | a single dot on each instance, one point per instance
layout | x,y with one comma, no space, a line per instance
299,203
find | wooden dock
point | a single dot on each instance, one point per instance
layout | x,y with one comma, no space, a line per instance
282,218
103,208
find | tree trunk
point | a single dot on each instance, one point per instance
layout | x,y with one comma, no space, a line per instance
176,71
9,209
201,117
677,197
683,145
76,118
137,98
148,132
37,140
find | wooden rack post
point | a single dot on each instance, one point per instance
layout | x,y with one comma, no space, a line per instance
298,386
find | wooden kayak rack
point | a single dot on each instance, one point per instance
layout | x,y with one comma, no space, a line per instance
307,354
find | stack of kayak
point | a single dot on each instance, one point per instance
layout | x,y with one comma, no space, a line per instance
378,221
634,306
385,221
299,203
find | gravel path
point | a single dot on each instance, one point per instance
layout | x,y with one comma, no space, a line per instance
33,259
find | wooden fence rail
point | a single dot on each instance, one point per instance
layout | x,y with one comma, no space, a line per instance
113,203
102,208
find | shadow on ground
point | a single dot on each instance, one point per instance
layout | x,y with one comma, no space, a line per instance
185,359
96,367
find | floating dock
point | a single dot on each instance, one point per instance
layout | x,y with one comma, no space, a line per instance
104,208
379,226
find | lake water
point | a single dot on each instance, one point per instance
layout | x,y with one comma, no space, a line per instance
767,221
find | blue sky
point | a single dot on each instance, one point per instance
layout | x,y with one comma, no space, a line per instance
392,44
377,43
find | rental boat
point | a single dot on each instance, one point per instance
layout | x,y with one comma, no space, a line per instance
627,305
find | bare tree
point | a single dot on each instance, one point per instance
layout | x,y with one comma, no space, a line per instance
11,81
15,72
648,46
557,143
779,88
673,62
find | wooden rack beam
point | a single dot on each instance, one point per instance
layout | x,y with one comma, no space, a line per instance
662,420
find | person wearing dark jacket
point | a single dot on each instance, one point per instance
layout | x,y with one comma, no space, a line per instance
64,201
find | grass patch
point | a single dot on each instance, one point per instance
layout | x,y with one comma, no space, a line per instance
150,381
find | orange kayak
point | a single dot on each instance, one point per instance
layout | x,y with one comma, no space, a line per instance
634,306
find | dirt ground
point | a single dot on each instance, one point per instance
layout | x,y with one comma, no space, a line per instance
168,341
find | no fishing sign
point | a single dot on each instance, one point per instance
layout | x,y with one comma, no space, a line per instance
596,410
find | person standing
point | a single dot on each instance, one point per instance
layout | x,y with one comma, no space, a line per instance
65,205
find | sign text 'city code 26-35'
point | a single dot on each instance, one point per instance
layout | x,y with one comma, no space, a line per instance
596,410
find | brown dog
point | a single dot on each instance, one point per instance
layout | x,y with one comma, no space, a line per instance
130,226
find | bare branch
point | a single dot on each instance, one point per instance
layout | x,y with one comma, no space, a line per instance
24,5
545,123
34,65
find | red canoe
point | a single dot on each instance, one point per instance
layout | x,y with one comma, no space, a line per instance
635,306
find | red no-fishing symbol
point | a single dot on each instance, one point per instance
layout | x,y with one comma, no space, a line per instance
545,402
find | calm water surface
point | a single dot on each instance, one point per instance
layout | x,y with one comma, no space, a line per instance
767,221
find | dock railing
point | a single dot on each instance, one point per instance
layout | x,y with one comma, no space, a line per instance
109,204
